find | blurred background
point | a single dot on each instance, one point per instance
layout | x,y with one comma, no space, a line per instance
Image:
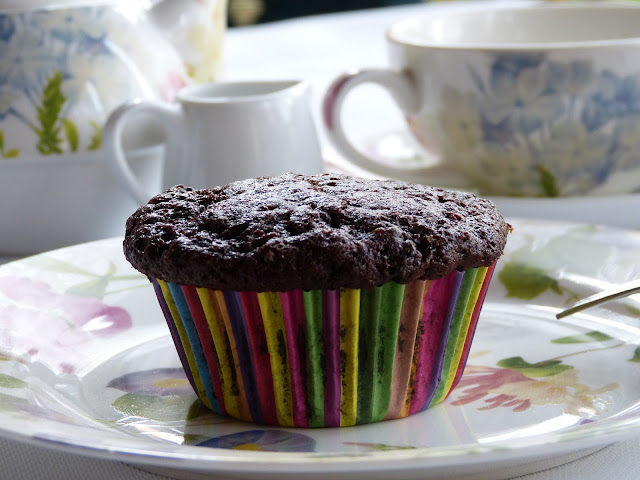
249,12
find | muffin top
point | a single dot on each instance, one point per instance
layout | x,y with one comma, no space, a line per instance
311,232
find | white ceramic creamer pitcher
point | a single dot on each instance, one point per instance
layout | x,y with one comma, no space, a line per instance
221,132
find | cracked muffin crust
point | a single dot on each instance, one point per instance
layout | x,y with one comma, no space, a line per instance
312,232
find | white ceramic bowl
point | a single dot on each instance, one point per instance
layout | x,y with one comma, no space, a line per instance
67,199
523,101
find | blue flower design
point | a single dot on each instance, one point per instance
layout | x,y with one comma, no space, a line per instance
577,158
27,61
72,29
7,28
158,381
546,126
627,142
570,78
517,100
614,97
40,45
511,64
7,97
263,440
66,31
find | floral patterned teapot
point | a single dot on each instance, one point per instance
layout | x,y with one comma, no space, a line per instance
63,68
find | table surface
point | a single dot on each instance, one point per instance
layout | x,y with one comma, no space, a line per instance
317,49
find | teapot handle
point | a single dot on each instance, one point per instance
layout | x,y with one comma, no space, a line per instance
170,117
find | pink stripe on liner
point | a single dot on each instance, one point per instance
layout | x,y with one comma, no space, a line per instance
473,325
412,304
260,356
331,332
295,331
436,301
208,347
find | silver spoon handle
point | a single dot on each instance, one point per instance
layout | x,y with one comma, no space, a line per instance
602,297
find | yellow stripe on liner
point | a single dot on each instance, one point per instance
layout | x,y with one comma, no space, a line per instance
184,339
349,330
216,326
221,305
273,319
466,320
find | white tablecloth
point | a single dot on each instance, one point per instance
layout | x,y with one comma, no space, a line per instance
318,49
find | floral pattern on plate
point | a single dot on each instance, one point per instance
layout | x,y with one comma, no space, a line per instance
526,369
69,320
567,122
519,385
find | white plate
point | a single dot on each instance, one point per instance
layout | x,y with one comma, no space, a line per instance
398,148
88,367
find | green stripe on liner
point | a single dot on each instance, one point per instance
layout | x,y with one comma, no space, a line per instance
454,331
369,344
315,351
389,311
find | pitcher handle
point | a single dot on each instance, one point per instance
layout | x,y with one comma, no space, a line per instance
170,117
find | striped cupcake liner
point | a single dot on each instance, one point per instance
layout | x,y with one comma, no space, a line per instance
325,358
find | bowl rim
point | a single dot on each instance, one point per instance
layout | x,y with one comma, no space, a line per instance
395,36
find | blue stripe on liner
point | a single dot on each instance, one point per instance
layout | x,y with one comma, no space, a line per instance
194,340
236,318
175,336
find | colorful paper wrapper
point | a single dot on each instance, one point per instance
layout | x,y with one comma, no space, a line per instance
325,358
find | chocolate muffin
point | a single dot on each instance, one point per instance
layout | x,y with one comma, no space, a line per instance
323,300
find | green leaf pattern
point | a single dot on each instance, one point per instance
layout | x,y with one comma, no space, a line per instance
52,128
7,381
546,368
532,270
11,153
163,409
593,336
548,183
96,138
636,356
71,131
96,284
49,116
527,282
633,311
